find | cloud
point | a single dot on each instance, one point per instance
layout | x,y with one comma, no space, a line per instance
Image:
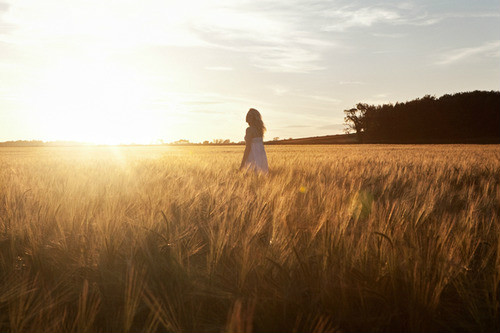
351,16
489,49
111,24
296,126
208,112
274,38
327,99
219,68
4,7
338,127
4,26
351,83
433,19
346,18
285,58
389,35
279,90
290,36
201,102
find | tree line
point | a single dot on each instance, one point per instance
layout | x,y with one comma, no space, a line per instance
468,117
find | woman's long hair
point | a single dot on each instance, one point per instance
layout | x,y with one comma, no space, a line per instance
254,119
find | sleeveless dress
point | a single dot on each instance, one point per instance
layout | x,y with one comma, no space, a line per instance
257,159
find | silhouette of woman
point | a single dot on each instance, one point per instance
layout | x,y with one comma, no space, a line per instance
255,157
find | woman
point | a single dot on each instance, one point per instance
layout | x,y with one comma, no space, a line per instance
255,156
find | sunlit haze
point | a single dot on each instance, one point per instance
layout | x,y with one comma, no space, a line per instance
145,71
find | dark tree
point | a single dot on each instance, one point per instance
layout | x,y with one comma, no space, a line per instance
470,117
354,120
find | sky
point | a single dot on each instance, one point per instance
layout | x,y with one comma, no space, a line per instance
143,71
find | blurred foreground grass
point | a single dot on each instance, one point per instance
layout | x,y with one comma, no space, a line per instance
175,239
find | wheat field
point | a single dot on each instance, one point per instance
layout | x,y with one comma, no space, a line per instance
371,238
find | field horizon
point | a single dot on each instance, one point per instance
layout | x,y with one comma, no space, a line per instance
337,238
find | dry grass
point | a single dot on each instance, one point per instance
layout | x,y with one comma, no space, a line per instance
335,239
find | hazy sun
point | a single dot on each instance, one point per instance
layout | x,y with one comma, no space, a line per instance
92,101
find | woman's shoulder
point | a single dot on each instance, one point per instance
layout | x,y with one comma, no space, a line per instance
252,132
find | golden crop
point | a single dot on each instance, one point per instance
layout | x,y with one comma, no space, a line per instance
176,239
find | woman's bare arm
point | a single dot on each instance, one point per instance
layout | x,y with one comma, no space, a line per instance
248,145
245,154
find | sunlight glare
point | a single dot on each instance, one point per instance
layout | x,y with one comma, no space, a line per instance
92,101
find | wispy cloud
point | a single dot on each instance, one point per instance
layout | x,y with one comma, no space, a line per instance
279,90
195,103
4,7
296,126
285,58
4,27
351,83
276,37
348,17
208,112
289,36
389,35
273,39
327,99
219,68
336,127
490,49
345,18
426,19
